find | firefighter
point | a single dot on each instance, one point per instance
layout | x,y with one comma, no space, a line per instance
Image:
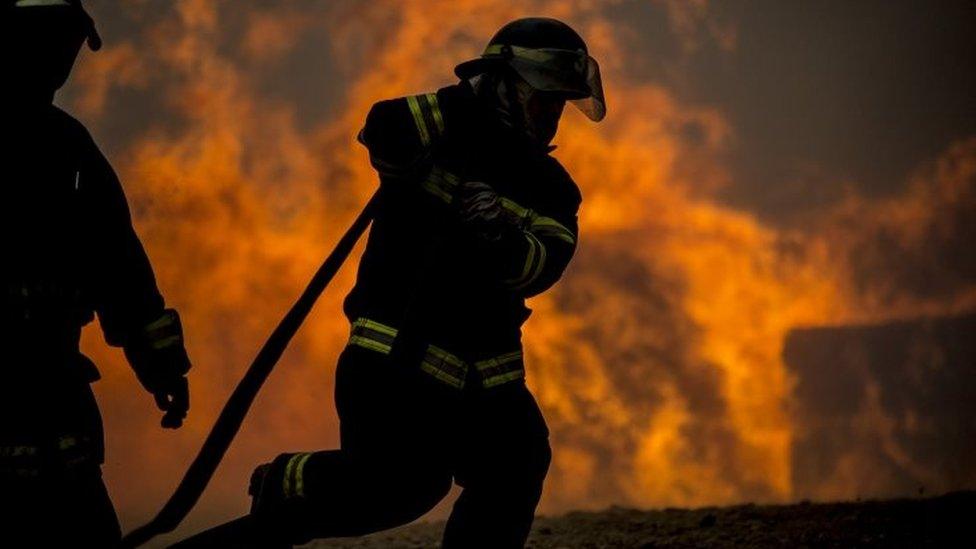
69,252
475,216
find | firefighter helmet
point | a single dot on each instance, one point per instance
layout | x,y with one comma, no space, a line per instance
77,12
550,56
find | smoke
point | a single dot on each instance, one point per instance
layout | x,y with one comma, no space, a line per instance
657,360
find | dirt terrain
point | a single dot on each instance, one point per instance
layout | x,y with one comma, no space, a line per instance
945,521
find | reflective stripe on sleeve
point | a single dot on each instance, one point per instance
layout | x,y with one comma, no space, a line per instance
535,261
427,116
540,224
441,183
418,119
164,332
435,110
548,226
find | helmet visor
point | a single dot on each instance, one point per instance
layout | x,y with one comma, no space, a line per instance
572,73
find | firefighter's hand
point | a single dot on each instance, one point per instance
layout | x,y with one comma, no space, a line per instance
480,209
159,359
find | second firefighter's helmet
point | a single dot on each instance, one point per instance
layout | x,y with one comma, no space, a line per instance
550,56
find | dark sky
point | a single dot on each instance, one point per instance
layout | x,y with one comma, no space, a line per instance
825,93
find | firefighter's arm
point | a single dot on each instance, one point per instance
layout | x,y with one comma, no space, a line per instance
400,135
129,306
525,250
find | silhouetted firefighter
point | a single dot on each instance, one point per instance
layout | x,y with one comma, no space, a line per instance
68,251
473,217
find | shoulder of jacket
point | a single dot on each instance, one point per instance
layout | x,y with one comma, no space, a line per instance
69,126
419,113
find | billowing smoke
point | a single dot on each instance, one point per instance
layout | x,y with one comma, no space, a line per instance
657,360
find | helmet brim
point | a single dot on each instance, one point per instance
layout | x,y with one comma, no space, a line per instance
574,75
474,67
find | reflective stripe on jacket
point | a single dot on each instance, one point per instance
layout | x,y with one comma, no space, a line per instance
442,365
423,271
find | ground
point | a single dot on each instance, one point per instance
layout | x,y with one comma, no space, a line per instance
917,522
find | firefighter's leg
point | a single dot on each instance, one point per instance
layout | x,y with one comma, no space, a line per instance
51,488
392,466
58,509
504,462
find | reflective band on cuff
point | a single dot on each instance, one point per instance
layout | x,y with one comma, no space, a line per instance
540,224
166,342
535,262
529,261
163,332
294,480
441,183
540,263
161,323
548,226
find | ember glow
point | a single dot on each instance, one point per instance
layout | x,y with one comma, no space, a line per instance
657,359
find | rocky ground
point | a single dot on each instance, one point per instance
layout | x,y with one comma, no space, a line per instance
945,521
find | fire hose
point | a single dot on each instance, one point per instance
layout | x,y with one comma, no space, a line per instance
203,467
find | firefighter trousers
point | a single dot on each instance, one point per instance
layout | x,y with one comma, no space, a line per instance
51,488
404,437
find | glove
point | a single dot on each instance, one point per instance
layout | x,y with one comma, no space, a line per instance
480,209
159,359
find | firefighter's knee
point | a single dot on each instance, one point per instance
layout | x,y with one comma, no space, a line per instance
412,491
422,493
534,468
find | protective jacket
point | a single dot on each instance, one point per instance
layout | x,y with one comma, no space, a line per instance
430,290
68,251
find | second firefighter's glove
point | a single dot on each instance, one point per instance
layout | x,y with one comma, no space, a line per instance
481,210
158,357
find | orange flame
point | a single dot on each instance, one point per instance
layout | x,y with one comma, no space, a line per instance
657,358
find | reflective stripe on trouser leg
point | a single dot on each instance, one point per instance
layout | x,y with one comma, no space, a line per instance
293,483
